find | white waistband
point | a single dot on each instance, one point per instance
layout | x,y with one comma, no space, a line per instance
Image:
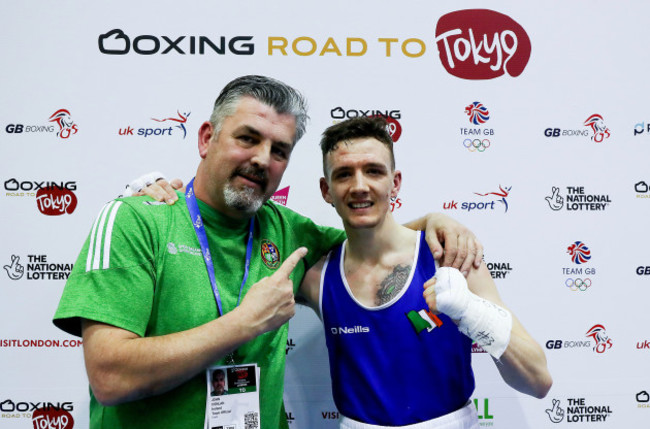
463,418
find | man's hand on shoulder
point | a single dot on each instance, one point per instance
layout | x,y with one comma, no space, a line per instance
156,186
452,243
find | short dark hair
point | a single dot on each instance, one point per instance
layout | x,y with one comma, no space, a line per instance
356,128
272,92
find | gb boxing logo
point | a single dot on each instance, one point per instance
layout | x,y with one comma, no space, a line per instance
482,44
602,341
67,127
597,125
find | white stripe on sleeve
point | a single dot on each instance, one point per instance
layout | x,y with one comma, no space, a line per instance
109,232
91,245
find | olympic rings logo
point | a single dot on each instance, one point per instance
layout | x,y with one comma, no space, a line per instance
578,284
476,144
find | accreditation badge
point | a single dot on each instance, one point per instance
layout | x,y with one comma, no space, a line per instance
233,400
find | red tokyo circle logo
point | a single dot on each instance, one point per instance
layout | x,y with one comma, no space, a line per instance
52,418
55,201
482,44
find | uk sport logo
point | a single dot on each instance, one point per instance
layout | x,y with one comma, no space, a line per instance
181,120
503,193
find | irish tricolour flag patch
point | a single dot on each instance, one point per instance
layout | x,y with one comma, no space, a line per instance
423,319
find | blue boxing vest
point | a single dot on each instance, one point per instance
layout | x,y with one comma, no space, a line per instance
386,367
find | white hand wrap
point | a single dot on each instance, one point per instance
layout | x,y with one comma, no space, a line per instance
145,180
481,320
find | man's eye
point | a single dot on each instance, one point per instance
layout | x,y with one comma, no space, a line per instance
280,153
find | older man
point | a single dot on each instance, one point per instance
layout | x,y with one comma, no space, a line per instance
163,293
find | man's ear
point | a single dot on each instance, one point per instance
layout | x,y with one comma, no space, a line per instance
397,183
205,137
325,190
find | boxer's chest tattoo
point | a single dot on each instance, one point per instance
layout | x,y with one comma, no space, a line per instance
392,284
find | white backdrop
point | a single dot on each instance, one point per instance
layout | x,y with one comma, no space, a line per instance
586,58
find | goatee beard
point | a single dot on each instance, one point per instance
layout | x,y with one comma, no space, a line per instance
245,200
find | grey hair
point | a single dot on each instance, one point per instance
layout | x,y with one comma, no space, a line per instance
272,92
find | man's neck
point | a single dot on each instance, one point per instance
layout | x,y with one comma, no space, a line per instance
378,261
370,245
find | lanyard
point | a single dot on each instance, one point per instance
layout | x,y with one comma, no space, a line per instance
197,221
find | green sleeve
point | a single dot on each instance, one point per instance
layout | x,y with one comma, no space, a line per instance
113,279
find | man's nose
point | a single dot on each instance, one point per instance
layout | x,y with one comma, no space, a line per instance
359,183
261,154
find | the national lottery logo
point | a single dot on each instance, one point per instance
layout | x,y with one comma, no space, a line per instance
575,198
602,341
15,269
578,410
579,252
36,267
392,117
270,254
170,126
499,270
482,44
